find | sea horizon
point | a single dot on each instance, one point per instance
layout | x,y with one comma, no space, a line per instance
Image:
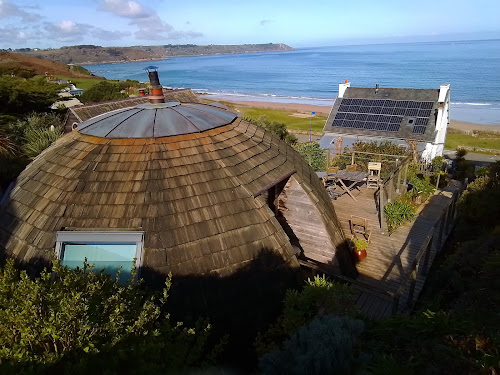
311,75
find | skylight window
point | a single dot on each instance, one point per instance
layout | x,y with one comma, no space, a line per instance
107,251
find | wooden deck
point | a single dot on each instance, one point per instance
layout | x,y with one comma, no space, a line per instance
384,274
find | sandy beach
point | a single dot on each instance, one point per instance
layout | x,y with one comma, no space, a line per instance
325,110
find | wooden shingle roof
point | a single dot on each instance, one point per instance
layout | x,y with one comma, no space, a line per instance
197,197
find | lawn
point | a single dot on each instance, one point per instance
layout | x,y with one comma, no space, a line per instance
82,83
285,117
481,141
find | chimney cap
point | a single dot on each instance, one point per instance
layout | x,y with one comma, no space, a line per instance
151,68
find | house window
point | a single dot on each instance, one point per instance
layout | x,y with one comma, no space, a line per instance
107,251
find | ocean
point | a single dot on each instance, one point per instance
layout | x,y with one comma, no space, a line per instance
312,75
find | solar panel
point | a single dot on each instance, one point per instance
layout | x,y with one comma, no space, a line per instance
421,121
424,113
419,129
411,112
348,124
393,127
382,114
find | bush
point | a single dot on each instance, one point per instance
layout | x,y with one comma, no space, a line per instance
276,128
81,321
319,296
397,212
19,96
420,187
314,155
323,346
102,91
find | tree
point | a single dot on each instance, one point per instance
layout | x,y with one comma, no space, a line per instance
103,91
274,127
81,321
19,96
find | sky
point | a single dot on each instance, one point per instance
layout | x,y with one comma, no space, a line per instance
56,23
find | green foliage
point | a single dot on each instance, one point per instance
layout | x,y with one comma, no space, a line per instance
102,91
81,321
438,164
38,139
479,140
318,297
421,187
464,168
323,346
314,155
80,69
360,243
19,95
397,212
123,85
479,202
16,71
274,127
377,148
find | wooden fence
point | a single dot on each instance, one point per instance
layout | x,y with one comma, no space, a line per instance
405,297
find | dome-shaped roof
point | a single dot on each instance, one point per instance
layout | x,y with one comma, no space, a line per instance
154,120
196,179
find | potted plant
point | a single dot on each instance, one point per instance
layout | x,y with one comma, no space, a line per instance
360,246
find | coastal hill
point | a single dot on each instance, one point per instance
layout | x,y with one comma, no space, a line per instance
16,63
90,54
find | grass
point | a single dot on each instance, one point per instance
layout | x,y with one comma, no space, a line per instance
285,117
482,141
82,83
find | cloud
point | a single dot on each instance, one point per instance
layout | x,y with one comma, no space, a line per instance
12,34
70,31
8,9
149,24
66,31
108,35
184,34
265,22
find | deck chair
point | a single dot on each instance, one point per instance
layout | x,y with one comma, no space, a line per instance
359,228
373,175
352,167
330,172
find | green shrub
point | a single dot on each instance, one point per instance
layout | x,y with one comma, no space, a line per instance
421,187
360,244
102,91
323,346
277,128
81,321
38,139
314,154
318,297
397,212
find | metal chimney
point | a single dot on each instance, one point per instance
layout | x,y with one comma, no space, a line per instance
156,92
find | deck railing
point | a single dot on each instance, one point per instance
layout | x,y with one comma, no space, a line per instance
391,188
420,265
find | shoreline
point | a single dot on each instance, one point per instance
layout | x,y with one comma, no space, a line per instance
325,110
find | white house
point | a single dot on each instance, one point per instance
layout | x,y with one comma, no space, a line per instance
390,114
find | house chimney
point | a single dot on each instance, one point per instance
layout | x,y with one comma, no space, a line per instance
156,92
376,88
343,87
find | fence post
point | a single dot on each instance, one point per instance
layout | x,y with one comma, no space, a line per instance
399,181
412,289
352,157
427,255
